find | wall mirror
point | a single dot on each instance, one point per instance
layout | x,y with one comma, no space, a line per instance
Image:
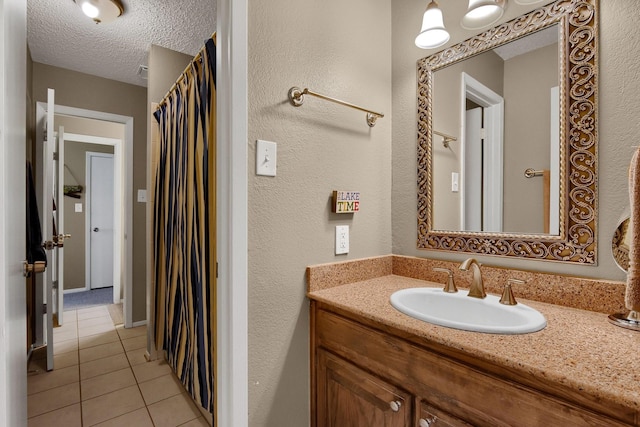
507,139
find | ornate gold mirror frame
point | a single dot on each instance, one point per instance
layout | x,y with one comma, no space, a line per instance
578,47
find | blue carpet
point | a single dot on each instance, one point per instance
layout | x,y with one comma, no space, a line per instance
90,298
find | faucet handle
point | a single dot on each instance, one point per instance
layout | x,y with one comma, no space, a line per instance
450,287
507,295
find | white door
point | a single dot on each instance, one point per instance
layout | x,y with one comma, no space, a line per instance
472,189
13,314
100,183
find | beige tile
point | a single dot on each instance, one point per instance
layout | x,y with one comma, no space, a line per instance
65,360
160,388
103,366
89,313
71,315
198,422
150,370
137,418
50,400
135,343
131,332
48,380
68,326
103,338
100,351
65,335
95,321
111,405
103,384
95,330
173,411
137,356
69,416
60,346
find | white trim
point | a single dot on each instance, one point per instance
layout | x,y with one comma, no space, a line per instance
493,105
74,290
232,247
127,121
138,323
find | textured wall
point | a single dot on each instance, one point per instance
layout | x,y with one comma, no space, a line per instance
79,90
619,108
342,49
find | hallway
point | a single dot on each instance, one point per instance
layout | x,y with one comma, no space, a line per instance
102,379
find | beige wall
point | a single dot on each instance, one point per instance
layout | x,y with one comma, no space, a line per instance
80,90
342,49
526,136
74,222
488,70
619,108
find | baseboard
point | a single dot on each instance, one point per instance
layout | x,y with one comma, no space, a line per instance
139,323
74,290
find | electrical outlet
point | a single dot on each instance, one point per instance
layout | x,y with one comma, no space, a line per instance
342,239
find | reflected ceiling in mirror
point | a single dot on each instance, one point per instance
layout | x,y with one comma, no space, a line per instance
507,213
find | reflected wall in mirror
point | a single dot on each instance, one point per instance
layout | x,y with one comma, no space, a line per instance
521,96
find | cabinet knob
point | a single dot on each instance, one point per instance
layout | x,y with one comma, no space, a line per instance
395,405
427,422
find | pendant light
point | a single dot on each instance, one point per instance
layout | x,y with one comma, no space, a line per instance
101,11
482,13
432,34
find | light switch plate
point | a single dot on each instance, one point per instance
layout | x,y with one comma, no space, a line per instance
342,239
142,195
78,207
455,182
266,155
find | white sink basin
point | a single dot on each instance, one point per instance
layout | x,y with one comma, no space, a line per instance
459,311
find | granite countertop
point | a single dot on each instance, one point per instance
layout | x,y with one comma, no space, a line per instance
578,349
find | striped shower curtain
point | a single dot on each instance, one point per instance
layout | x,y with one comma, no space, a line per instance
185,228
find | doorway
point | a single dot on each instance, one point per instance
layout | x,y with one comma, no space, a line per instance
122,149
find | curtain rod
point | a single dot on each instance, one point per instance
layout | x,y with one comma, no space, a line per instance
181,77
296,97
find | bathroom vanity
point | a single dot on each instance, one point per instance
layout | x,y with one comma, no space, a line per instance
374,366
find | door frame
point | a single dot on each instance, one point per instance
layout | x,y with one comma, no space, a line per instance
493,106
126,185
117,197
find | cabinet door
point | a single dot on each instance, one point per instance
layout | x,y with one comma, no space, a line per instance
350,397
428,416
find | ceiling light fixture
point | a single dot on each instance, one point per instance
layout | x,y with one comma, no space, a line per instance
101,11
527,2
432,34
482,13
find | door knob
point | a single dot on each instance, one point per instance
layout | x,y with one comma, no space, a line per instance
96,229
36,267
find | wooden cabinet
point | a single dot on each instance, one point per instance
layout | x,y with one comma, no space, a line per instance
366,374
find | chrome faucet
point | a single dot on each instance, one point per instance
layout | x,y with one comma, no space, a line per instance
477,287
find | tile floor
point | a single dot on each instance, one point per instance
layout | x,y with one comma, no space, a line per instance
101,378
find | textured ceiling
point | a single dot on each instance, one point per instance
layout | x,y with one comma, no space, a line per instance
60,34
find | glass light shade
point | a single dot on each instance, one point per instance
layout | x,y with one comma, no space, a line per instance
90,10
482,13
101,10
432,34
527,2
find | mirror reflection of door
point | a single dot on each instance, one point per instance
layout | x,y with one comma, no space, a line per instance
101,199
